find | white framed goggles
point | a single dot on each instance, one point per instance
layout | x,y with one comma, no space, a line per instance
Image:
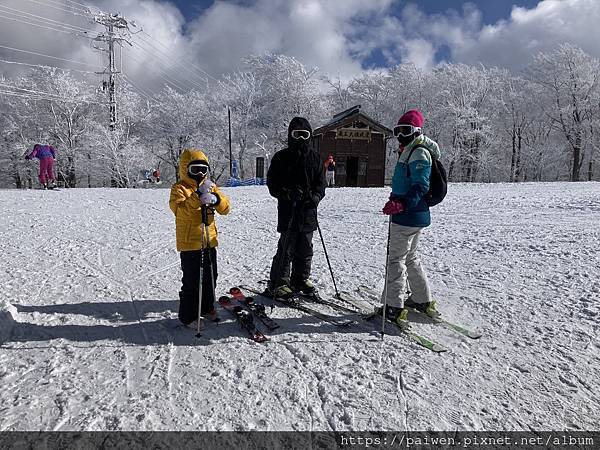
196,169
301,134
405,130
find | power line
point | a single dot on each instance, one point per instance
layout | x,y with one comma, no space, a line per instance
144,93
42,66
190,82
165,77
170,59
40,18
79,4
36,95
43,26
86,13
190,63
48,56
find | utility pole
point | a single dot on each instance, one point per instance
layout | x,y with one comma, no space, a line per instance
230,152
117,31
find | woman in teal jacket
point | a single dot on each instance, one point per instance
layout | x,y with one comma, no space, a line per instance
409,215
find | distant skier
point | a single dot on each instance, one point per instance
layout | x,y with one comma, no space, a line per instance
295,178
330,171
194,190
410,214
46,154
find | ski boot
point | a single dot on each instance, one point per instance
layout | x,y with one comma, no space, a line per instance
428,308
194,325
212,316
397,315
304,287
282,291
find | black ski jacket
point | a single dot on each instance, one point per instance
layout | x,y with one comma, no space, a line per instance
295,178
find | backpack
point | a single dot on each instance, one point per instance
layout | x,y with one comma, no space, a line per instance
438,180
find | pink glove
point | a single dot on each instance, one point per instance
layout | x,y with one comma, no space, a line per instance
393,207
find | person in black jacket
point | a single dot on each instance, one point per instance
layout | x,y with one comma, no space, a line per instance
295,178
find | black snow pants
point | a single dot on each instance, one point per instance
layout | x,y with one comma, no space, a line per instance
299,254
189,293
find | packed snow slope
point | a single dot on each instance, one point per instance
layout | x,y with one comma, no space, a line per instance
93,276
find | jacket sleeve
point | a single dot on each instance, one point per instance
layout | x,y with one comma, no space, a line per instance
53,151
420,170
179,198
274,181
223,205
318,186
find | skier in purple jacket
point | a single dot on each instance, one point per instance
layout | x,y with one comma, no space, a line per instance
46,154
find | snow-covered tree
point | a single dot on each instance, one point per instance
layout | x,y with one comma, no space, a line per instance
570,78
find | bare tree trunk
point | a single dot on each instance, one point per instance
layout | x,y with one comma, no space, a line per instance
513,159
451,170
519,147
576,166
68,173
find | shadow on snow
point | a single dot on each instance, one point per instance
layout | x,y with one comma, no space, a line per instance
154,322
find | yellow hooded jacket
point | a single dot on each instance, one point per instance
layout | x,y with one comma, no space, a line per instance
185,204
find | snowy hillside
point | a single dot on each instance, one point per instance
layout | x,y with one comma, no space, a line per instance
93,342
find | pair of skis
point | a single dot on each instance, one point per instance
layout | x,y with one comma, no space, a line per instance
344,303
303,303
361,309
471,334
245,309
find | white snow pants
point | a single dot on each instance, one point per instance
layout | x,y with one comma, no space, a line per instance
330,178
404,265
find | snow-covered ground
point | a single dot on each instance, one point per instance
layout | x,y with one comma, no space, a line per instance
93,276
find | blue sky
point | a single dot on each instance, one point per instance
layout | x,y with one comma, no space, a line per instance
492,10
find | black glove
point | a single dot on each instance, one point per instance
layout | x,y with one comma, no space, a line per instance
311,200
297,195
292,194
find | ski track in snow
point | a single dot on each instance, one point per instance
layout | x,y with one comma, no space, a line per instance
95,276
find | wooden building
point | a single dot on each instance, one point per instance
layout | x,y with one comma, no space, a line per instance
358,146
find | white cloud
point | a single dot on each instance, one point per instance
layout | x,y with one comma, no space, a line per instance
514,41
335,35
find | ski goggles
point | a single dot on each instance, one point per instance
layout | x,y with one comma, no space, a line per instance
405,130
196,169
301,134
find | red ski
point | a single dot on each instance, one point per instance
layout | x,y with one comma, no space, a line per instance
244,318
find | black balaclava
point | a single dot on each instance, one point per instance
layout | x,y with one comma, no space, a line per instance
299,145
197,178
405,140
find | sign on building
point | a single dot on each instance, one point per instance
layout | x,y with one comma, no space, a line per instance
353,133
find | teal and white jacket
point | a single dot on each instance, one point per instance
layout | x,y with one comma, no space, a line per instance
411,190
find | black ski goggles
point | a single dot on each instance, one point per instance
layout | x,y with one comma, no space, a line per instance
405,130
197,169
301,134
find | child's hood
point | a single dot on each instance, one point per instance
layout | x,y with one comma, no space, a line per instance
429,144
187,156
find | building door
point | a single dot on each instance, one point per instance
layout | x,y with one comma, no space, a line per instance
260,167
352,171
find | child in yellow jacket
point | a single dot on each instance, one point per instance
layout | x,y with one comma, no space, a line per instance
193,192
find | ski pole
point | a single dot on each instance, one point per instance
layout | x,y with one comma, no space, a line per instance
207,236
385,289
337,294
198,334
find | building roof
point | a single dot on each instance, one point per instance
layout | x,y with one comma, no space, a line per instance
347,117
